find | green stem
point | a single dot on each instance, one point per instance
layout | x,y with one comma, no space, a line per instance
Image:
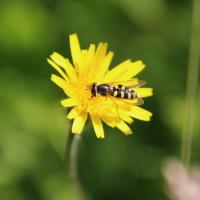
73,157
72,150
192,81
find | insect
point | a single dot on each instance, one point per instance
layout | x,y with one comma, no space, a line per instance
121,90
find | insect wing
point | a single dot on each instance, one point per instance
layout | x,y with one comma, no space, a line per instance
139,101
132,83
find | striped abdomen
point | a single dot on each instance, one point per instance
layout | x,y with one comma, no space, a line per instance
118,91
123,92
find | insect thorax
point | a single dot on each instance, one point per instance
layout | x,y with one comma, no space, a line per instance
103,89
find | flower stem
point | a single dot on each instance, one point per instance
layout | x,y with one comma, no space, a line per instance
71,156
192,81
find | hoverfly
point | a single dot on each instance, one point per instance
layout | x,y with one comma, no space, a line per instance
120,90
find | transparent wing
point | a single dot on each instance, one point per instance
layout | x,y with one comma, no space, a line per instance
137,102
132,83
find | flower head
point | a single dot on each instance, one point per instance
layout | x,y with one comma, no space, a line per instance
92,66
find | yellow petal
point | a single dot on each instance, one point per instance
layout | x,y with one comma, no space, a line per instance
123,104
140,113
75,49
133,69
124,71
97,62
69,102
74,112
84,63
105,65
69,91
70,70
109,117
57,68
108,121
79,123
116,71
87,59
64,63
124,115
59,81
97,124
144,92
122,126
100,52
91,51
58,59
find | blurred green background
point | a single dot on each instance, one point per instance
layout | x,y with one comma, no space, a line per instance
33,124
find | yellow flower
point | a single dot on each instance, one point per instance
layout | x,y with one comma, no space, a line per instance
92,66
